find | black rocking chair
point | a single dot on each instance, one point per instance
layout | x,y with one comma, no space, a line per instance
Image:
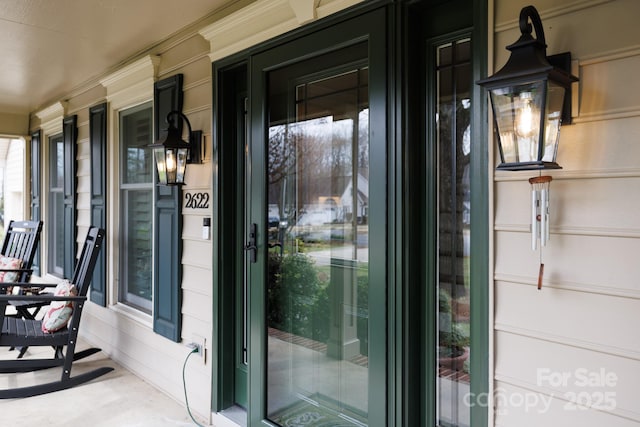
21,241
21,332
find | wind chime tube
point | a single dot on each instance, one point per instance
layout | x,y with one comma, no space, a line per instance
534,219
539,210
547,210
544,224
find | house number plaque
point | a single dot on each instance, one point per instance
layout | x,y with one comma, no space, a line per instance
196,200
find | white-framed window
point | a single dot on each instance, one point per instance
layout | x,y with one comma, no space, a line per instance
130,190
136,183
52,197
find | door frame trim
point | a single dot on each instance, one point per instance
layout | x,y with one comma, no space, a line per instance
405,400
227,78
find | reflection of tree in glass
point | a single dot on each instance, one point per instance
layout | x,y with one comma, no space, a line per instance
316,156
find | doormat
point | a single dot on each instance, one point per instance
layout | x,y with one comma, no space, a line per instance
306,414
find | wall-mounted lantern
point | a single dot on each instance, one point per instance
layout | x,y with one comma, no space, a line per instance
528,100
172,153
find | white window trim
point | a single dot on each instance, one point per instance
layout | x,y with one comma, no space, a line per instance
128,87
50,124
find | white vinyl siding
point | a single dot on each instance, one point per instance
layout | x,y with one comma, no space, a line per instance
583,322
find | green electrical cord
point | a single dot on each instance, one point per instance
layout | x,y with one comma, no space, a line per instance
184,384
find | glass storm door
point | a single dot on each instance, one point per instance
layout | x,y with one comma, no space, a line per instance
308,242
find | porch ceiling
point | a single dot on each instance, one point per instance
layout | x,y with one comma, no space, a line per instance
50,48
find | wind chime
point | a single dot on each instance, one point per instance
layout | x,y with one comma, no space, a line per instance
530,98
540,186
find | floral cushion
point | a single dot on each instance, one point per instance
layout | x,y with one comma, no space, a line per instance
8,263
59,312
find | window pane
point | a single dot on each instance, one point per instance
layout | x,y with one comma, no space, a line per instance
58,178
58,221
136,131
56,205
138,244
454,147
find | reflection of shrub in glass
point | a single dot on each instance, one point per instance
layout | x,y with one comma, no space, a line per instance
452,338
297,301
274,289
363,310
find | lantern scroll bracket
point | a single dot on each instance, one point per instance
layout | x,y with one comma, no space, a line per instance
530,13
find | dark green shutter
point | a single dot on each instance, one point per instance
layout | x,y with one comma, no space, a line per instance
36,215
98,143
167,292
69,136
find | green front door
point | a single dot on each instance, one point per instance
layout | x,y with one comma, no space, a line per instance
315,233
351,221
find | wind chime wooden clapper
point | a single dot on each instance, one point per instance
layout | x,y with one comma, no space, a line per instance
540,186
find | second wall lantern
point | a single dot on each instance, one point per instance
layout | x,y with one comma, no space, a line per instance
172,153
527,96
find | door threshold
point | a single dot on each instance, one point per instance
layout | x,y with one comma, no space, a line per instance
235,416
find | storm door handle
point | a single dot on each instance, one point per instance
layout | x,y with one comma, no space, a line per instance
251,244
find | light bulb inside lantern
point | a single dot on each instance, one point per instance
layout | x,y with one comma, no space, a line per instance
525,116
171,161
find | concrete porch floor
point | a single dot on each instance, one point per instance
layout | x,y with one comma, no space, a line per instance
118,399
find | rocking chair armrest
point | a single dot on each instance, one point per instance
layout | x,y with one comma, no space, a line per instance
27,285
13,270
41,298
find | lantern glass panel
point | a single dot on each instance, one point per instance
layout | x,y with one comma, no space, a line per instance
160,162
183,154
553,119
517,110
171,164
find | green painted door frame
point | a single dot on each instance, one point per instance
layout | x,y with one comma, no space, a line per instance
230,76
430,24
399,32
